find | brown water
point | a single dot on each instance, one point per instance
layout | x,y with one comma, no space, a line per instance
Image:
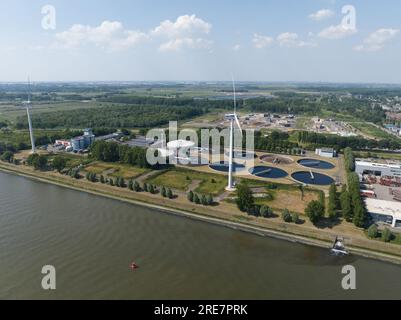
92,240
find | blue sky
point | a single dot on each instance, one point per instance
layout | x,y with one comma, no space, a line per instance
269,40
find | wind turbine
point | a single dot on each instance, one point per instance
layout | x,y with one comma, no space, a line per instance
233,118
28,105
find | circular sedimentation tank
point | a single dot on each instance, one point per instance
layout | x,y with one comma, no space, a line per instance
316,164
268,172
312,178
222,166
276,159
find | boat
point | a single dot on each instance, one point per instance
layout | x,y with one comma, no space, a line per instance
338,247
134,266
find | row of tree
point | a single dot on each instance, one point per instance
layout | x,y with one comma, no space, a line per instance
314,139
200,199
114,152
118,116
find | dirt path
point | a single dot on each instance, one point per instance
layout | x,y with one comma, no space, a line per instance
194,184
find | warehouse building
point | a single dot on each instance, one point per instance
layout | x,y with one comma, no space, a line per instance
386,212
377,169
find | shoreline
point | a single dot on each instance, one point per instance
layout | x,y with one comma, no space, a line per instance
240,226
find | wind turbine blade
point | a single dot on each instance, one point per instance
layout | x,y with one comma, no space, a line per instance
235,94
238,123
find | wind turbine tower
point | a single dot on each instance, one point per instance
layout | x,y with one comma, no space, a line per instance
233,118
28,105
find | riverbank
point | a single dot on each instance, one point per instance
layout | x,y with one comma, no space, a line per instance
221,215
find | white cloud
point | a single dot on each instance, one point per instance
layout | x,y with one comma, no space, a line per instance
236,47
289,39
182,43
187,31
111,35
185,25
260,41
321,15
376,40
337,32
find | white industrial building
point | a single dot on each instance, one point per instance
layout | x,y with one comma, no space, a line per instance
388,212
326,152
377,169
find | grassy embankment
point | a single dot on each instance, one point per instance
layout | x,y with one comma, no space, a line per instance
225,213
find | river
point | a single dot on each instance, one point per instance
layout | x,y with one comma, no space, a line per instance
91,241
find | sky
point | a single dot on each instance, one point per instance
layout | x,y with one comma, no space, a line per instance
354,41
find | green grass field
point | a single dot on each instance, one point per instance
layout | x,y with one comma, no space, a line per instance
115,170
372,130
181,179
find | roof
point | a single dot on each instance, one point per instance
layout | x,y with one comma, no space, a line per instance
377,165
385,207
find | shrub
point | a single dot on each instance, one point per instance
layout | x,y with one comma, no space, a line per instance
387,235
204,200
286,216
244,198
314,211
170,194
372,231
295,217
190,196
137,187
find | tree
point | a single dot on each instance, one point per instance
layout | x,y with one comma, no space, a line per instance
210,200
244,198
196,199
164,192
387,235
295,217
345,202
137,187
190,196
151,189
204,200
314,211
59,163
170,194
359,218
145,187
111,182
332,208
131,184
102,179
286,215
264,211
7,156
39,162
372,231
